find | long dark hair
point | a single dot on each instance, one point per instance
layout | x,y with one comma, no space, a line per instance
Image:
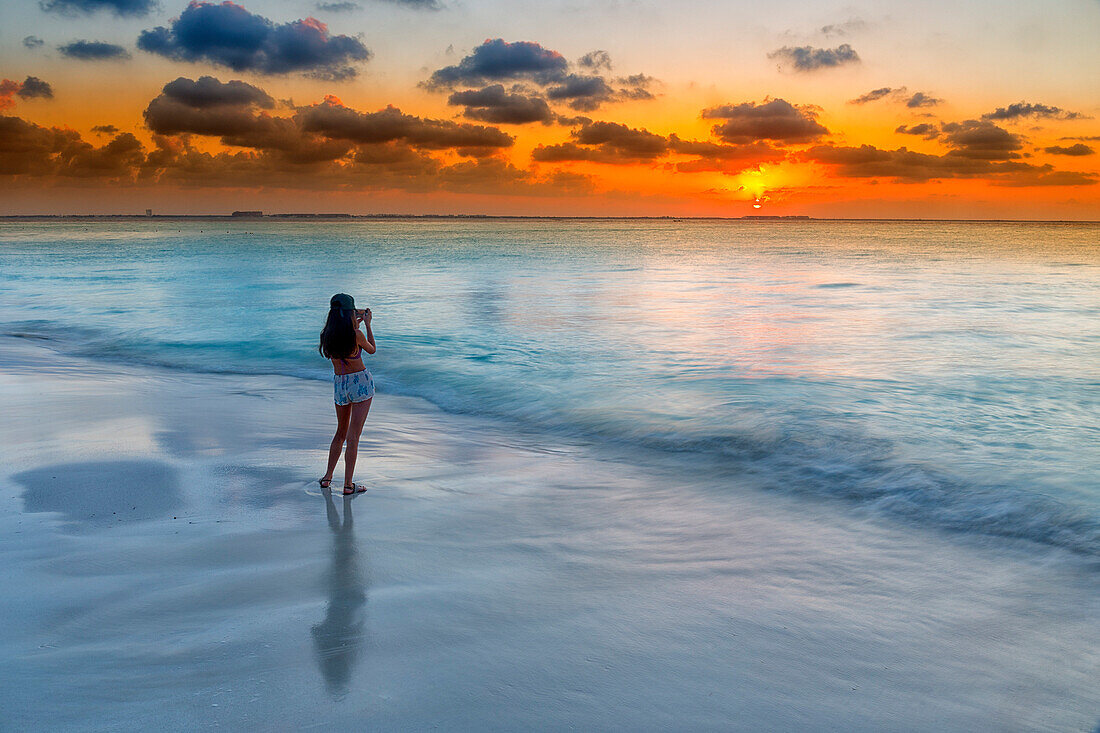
338,335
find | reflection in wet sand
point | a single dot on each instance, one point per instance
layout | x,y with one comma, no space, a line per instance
338,637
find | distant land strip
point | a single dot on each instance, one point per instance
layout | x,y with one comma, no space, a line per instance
252,216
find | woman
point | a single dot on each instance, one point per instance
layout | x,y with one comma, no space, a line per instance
353,385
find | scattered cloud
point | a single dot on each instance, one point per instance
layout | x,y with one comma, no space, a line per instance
584,93
774,119
808,58
1028,109
229,35
981,140
118,7
495,105
498,60
35,88
876,94
33,42
31,88
898,94
94,51
920,99
206,92
906,166
925,130
540,73
105,129
1074,150
595,61
339,7
847,28
617,144
335,121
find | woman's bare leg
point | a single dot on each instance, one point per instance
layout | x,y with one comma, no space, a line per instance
343,415
359,412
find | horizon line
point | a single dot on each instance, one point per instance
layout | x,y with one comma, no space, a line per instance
253,216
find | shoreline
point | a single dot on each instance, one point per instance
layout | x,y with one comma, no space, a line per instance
489,580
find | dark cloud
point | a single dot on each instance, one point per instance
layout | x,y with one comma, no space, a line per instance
595,61
61,157
920,99
606,142
925,130
1074,150
876,94
344,7
499,60
35,88
808,58
335,121
229,35
30,149
31,88
774,119
33,42
236,112
168,116
231,111
494,104
584,93
617,144
981,140
540,72
209,92
105,129
623,140
1027,109
906,166
93,51
118,7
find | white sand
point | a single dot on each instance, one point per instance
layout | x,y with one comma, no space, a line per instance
168,562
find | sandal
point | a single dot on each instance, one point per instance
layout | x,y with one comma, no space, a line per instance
325,482
354,489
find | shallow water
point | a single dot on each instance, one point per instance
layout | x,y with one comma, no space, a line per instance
169,564
944,374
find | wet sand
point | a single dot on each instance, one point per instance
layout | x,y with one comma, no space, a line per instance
169,562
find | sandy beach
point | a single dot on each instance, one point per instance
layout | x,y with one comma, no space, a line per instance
169,562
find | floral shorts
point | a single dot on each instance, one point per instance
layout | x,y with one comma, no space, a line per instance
354,387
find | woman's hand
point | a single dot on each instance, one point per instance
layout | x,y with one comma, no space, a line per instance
366,316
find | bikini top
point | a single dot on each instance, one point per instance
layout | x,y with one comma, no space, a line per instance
356,355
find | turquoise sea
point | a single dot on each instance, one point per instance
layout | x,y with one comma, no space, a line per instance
944,374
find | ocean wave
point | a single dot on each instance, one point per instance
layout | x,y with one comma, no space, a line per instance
807,457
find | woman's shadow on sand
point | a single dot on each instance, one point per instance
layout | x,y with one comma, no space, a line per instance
339,636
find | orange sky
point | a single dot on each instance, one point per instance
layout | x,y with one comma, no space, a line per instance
809,111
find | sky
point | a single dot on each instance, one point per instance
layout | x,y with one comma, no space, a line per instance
985,109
